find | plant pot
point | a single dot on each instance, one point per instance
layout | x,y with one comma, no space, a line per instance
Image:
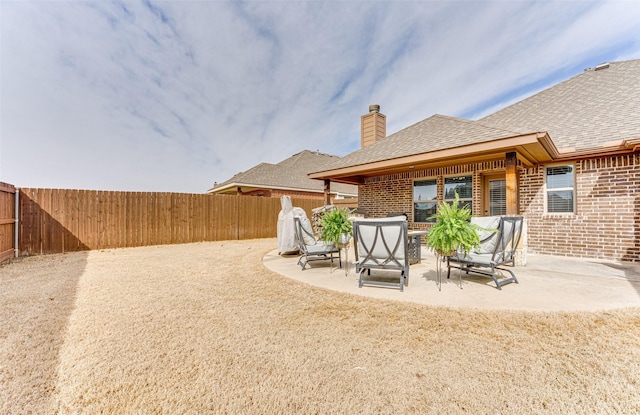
444,254
344,239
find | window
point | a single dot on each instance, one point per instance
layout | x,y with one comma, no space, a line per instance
497,197
560,192
463,186
425,200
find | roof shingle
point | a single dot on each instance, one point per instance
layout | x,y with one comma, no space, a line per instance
437,132
600,105
586,111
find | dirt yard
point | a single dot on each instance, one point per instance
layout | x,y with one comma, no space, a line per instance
206,328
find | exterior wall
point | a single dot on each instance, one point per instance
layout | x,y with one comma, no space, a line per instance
607,219
381,195
606,223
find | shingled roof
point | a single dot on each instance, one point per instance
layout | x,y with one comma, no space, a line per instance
434,133
600,105
290,173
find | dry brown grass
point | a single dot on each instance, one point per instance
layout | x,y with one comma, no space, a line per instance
205,328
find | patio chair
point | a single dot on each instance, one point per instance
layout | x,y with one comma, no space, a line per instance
311,248
497,248
381,245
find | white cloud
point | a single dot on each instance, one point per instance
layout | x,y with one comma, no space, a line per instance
173,96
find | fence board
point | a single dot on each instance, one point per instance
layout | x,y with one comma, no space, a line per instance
152,208
177,212
55,220
7,221
130,220
67,202
48,223
27,219
118,222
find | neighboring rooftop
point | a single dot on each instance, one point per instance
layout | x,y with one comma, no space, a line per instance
289,174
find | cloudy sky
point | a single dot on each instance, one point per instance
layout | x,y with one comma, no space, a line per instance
174,95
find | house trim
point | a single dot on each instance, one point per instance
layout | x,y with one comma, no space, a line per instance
231,188
531,149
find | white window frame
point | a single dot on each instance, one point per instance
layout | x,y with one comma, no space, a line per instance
572,189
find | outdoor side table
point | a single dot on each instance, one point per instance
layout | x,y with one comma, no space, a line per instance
414,246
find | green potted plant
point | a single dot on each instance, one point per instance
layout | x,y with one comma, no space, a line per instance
336,227
453,229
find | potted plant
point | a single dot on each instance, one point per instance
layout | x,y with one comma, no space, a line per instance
336,227
453,229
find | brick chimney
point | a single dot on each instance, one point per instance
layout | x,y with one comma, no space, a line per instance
373,126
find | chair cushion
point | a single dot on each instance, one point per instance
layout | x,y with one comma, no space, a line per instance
474,258
320,248
391,233
307,235
488,238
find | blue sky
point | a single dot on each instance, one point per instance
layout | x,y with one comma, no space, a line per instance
174,95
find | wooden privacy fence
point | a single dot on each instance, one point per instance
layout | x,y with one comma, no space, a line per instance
58,220
7,221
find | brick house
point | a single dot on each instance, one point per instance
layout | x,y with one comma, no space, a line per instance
567,159
289,177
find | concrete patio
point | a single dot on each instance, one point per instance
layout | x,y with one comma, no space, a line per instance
546,283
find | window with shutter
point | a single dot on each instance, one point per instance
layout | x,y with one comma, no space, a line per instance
497,197
560,183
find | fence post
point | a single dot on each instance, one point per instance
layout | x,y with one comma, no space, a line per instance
16,231
8,216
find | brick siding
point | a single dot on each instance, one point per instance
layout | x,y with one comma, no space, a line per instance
381,195
606,223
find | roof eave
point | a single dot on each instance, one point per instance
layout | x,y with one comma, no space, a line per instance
231,187
607,149
531,149
220,189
